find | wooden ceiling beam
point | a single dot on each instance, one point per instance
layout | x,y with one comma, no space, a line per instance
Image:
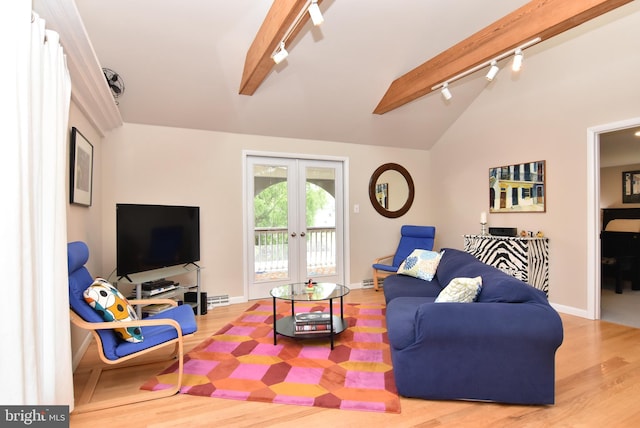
258,62
538,18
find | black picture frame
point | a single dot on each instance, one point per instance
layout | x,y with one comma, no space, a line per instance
631,187
81,174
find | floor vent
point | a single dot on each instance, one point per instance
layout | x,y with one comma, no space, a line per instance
213,301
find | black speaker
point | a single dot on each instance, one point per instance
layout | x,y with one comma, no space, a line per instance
192,297
503,231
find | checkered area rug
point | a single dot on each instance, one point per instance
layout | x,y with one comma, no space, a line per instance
241,362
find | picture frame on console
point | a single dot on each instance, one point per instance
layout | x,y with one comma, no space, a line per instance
631,187
81,174
518,188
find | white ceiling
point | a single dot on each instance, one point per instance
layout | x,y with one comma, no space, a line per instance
182,62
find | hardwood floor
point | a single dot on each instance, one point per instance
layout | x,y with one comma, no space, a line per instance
597,385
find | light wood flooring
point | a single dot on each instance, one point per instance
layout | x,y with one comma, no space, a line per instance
597,385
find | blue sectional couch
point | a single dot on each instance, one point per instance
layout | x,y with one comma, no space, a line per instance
499,348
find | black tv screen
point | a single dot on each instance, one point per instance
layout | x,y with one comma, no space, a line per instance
155,236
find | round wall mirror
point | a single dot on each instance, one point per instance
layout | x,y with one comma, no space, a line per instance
391,190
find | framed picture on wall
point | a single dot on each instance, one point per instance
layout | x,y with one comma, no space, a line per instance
631,187
81,174
518,188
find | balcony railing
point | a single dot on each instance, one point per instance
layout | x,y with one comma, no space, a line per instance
271,251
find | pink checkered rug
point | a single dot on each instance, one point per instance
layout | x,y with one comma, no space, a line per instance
240,362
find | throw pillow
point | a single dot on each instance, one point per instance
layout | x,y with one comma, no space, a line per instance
113,306
461,290
421,264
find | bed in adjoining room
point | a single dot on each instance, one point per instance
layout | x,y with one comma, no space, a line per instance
620,246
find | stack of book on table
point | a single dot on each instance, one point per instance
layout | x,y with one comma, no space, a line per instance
312,322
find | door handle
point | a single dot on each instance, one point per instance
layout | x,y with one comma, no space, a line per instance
293,235
302,234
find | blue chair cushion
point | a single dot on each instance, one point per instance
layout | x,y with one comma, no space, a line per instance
154,335
413,237
386,268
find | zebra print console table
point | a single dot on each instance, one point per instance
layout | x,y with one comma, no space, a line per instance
524,258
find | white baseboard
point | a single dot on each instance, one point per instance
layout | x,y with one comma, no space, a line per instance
570,310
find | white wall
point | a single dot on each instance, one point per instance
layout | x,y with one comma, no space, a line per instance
85,223
583,78
163,165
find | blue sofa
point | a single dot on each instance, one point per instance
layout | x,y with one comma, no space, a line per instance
499,348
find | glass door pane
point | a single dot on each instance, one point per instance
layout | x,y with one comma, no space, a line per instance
320,219
271,223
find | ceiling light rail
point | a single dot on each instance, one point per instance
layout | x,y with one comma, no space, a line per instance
280,53
493,71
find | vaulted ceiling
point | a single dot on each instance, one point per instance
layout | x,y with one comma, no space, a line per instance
183,63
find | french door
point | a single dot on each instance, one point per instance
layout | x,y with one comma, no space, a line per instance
295,222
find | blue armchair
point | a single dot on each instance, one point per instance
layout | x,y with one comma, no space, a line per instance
411,238
166,328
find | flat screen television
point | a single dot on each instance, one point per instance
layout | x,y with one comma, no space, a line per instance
151,237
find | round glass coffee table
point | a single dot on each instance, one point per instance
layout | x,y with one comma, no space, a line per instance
301,292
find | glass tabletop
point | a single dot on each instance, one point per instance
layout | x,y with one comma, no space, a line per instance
302,291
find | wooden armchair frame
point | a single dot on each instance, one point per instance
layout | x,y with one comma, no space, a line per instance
84,403
380,274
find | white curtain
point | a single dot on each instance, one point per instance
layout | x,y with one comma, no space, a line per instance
36,356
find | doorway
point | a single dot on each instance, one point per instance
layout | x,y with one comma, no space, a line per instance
294,222
594,137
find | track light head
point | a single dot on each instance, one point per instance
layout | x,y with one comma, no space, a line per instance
280,54
518,56
493,71
446,93
314,12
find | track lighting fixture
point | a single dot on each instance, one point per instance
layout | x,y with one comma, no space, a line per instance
446,93
314,12
280,54
310,6
493,71
518,56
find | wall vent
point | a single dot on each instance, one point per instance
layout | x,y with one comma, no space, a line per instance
367,283
213,301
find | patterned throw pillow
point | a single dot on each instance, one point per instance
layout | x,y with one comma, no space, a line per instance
112,306
461,290
421,264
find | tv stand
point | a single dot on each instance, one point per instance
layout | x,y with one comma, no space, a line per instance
137,279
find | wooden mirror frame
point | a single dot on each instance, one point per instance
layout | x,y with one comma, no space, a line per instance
372,190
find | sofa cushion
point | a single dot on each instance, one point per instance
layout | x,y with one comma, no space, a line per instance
420,264
408,286
461,290
497,286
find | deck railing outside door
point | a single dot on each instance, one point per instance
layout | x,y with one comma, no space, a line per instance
271,251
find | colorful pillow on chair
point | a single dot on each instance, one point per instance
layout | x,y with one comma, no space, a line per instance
421,264
113,306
